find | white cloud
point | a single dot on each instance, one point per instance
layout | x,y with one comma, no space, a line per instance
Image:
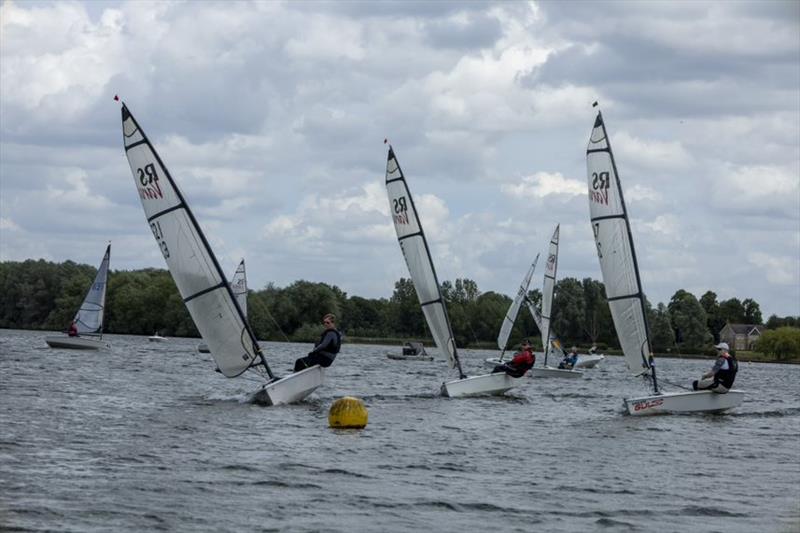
778,270
543,184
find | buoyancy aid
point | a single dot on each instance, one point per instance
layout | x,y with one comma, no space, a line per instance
727,376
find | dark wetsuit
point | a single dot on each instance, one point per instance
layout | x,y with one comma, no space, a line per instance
323,353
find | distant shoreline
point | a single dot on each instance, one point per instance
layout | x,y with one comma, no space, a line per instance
394,342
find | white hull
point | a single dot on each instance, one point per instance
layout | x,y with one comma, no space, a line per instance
156,338
549,372
401,357
684,402
588,360
495,384
494,361
77,343
203,348
293,387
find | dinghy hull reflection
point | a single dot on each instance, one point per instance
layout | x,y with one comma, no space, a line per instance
77,343
684,402
487,384
548,372
292,388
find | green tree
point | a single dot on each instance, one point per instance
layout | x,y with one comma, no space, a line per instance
569,310
732,311
661,332
752,311
783,343
714,319
689,320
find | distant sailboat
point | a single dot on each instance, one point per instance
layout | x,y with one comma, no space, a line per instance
89,318
239,287
626,300
511,315
415,250
194,267
547,306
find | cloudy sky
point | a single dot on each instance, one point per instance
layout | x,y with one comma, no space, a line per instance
271,116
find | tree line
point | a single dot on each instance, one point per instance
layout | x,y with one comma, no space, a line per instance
38,294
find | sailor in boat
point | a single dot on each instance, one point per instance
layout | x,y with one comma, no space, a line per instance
326,349
722,375
520,363
73,329
593,350
569,359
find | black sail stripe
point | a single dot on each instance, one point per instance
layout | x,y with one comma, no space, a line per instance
635,296
436,301
165,211
401,178
415,234
134,145
594,150
608,217
205,291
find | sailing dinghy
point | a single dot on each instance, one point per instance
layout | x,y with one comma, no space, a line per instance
415,250
155,337
89,318
239,287
612,235
511,315
547,306
194,267
411,351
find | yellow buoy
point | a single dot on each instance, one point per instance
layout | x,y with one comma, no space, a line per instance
348,412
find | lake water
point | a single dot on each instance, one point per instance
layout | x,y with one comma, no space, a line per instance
149,437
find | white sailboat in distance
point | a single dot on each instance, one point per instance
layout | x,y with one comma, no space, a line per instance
89,318
194,267
239,287
548,287
511,315
415,250
612,234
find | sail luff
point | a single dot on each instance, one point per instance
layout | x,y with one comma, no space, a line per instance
89,317
511,315
198,276
615,248
550,272
417,255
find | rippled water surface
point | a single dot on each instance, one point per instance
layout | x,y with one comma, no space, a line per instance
149,437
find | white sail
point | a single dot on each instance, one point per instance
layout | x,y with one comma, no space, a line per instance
418,259
615,250
513,310
193,266
89,318
548,287
239,287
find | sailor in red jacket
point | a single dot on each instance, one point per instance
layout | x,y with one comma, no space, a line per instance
521,363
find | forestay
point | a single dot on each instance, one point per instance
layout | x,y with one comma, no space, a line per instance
547,290
513,310
418,259
615,250
89,318
193,266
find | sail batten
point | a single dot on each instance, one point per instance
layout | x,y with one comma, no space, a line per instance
418,259
193,265
615,250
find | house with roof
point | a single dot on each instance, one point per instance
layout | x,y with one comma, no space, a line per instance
741,336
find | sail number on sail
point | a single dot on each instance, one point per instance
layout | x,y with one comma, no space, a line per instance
159,235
